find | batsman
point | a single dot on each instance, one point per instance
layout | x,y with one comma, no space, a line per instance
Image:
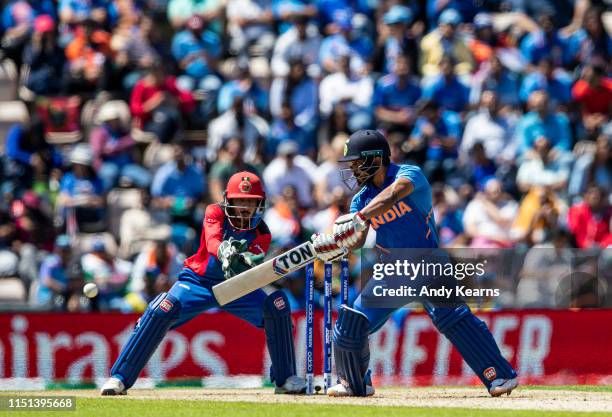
234,239
385,186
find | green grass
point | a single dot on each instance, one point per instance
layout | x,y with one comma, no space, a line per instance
124,407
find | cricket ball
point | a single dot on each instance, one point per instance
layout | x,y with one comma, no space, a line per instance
90,290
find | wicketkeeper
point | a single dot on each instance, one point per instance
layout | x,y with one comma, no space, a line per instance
234,238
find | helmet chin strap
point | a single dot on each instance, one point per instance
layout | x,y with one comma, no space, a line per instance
237,221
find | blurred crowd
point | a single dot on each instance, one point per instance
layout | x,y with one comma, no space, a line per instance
139,111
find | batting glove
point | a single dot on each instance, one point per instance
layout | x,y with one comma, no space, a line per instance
326,247
347,227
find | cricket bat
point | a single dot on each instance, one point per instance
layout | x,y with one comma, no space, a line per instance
264,273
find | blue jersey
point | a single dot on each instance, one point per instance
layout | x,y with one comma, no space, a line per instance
410,222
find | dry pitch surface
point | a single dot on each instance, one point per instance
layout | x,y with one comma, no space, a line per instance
443,397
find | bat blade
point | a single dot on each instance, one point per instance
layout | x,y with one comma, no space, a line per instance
264,274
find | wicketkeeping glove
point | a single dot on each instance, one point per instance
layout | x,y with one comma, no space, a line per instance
347,227
326,247
235,257
229,254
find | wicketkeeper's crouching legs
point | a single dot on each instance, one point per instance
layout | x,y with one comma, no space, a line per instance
150,329
187,299
279,337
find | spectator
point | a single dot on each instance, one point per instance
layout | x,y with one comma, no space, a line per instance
283,218
331,14
555,82
591,43
9,261
485,40
54,285
141,47
196,49
155,270
336,202
436,133
81,199
74,12
33,221
239,120
290,13
113,146
157,103
544,167
394,39
283,128
395,96
353,88
546,265
110,274
255,97
89,59
488,217
251,26
178,185
300,91
479,168
178,190
290,169
446,89
466,10
327,178
448,214
492,128
545,43
230,162
17,22
44,58
337,123
180,11
495,77
29,157
593,94
589,220
538,216
345,41
593,165
33,234
540,121
444,41
301,41
140,224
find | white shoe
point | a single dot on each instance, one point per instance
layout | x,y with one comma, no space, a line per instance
113,386
340,390
502,386
293,385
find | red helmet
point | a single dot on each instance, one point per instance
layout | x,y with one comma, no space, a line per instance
244,185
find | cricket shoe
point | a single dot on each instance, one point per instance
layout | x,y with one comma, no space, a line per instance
113,386
502,386
293,385
341,390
